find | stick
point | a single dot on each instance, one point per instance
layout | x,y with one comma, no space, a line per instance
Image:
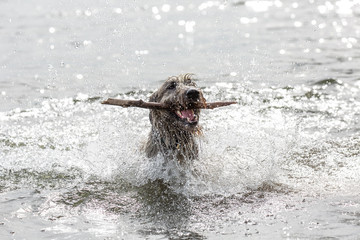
135,103
155,105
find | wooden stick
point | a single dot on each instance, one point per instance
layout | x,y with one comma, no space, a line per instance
135,103
155,105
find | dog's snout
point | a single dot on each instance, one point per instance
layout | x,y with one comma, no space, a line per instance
192,94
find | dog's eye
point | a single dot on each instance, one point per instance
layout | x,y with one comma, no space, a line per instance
172,85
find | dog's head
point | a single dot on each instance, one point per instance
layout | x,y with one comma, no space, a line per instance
181,93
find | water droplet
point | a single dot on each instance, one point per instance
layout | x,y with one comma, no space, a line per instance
295,5
322,25
298,24
189,26
278,3
259,6
87,42
155,10
180,8
165,8
142,52
52,30
233,74
181,22
118,10
244,20
88,13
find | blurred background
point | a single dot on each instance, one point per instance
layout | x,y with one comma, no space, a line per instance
60,49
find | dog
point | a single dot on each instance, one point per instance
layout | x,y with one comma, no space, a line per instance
174,131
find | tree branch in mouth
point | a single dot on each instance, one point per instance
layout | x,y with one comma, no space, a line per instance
162,106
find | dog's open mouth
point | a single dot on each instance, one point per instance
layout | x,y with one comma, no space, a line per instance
188,115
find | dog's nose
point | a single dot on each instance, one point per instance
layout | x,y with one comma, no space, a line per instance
192,94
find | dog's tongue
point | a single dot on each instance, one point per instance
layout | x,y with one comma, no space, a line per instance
189,114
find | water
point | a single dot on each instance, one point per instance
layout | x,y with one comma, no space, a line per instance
281,164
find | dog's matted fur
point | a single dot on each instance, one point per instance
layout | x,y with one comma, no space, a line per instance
173,131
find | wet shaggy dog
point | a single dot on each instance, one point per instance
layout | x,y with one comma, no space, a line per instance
174,131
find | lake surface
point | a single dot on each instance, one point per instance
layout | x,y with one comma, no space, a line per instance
283,163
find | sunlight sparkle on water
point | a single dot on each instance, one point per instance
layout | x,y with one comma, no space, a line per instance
210,4
344,7
87,42
245,20
324,9
165,8
52,30
181,22
180,8
189,26
259,6
142,52
322,25
298,24
118,10
155,10
88,13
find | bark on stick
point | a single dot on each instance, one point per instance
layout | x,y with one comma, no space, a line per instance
155,105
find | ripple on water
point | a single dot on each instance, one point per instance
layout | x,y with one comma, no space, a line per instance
258,160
